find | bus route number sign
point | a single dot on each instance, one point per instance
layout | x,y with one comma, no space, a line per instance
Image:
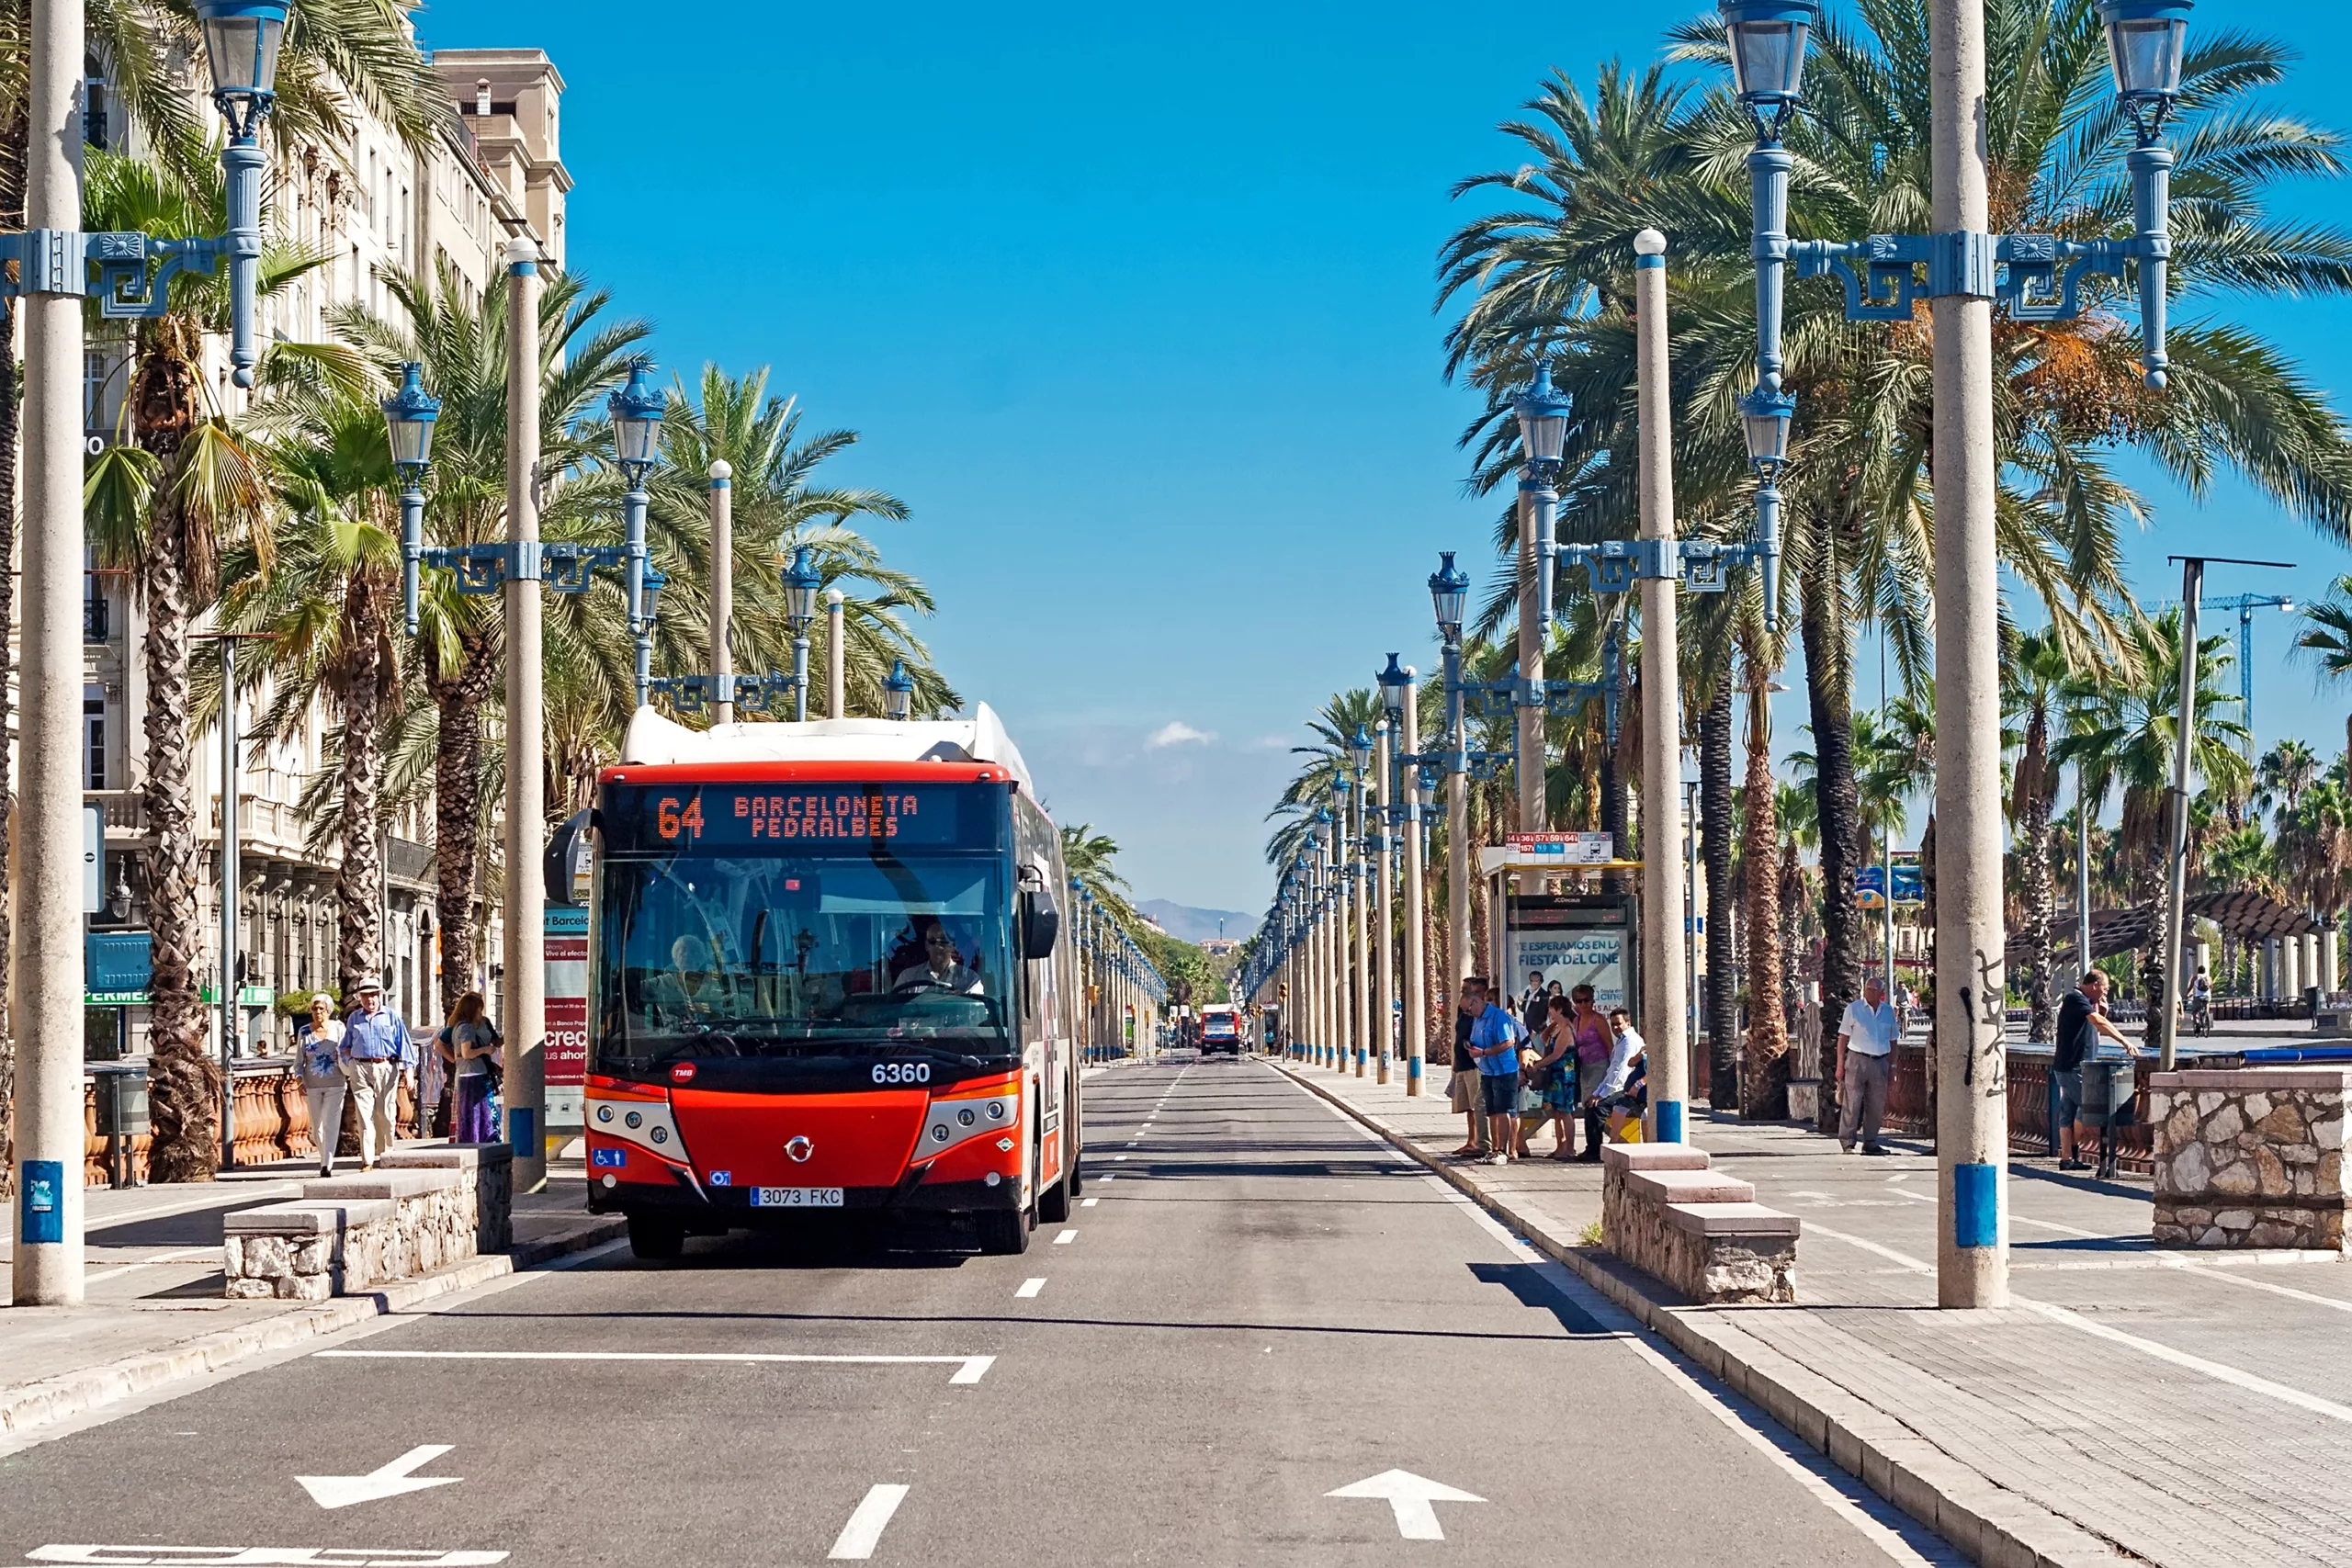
812,818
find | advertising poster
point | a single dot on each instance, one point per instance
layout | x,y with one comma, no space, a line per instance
1575,941
567,1048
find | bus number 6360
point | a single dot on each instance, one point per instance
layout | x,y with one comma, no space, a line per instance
902,1072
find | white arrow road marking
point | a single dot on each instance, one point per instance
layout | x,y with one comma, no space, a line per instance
384,1481
863,1531
1409,1496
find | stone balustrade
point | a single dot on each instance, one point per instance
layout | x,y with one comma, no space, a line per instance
2250,1157
1667,1211
420,1210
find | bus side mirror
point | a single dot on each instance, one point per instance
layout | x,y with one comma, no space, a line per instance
1040,923
568,861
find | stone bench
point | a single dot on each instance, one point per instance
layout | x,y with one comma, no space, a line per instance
2251,1157
1667,1211
420,1210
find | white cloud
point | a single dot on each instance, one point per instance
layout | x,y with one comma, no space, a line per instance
1176,732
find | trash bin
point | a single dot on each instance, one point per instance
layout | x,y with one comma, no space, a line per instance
122,1117
2313,1004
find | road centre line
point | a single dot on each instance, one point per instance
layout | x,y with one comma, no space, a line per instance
863,1531
970,1368
1088,1202
1066,1238
1029,1288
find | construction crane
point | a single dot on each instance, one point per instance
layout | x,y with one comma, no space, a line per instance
2245,604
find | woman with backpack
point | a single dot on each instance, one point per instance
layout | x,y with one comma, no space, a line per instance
468,1044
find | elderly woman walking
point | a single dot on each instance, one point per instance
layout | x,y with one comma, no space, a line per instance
318,1055
468,1045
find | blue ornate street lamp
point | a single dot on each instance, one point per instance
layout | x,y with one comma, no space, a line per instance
2037,276
898,693
409,414
636,410
566,568
241,40
802,583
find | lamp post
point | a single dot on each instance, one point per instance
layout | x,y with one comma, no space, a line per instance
53,277
1449,587
1354,1005
1661,741
899,696
524,918
2038,277
636,410
836,700
1396,683
1383,901
722,590
1542,417
802,583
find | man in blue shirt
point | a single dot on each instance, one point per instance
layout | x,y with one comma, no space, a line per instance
375,1042
1494,1042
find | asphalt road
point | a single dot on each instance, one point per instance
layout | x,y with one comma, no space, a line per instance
1256,1307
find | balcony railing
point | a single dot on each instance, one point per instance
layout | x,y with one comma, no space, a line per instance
97,624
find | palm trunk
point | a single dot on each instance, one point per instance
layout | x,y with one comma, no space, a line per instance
1433,957
1715,811
184,1086
2040,886
1828,677
1767,1028
359,695
456,792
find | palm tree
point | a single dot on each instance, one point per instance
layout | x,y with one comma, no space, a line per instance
1767,1023
1549,285
463,350
2285,772
163,505
330,601
2123,736
2326,638
2037,686
780,506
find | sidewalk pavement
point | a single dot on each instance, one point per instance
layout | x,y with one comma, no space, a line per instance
2191,1410
153,1310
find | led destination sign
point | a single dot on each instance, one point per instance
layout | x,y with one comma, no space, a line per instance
810,818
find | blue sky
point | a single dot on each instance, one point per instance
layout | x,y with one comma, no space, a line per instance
1133,308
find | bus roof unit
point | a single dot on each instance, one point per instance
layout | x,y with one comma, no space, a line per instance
656,742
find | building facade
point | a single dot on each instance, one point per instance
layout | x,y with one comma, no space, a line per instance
370,206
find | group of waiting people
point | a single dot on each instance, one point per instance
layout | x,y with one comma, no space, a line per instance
1557,1057
366,1056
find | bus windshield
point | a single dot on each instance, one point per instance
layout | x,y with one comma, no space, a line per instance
778,954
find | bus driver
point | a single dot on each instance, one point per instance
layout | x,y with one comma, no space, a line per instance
688,992
940,967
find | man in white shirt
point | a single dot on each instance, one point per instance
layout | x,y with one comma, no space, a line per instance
1866,1066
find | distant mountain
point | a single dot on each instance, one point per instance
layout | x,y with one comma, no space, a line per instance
1187,924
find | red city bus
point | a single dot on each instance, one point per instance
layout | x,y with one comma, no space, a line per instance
823,975
1220,1030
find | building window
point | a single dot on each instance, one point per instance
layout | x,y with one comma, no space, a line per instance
94,104
94,732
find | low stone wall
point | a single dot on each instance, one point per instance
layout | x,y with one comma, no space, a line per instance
420,1210
2250,1157
1666,1211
